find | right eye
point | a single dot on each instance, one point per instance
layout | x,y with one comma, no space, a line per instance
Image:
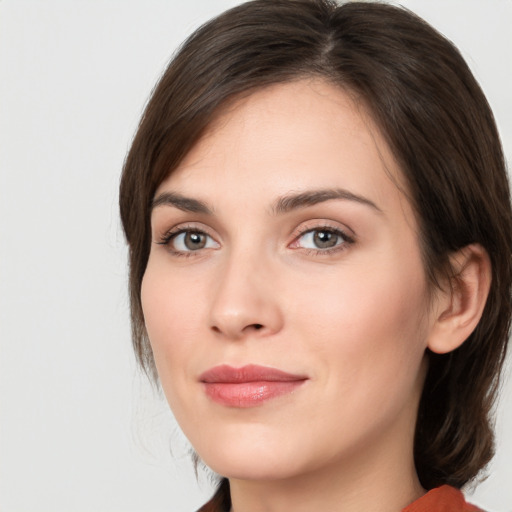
188,240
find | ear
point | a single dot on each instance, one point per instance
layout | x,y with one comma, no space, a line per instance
460,305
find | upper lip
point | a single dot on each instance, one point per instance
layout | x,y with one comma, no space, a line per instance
249,373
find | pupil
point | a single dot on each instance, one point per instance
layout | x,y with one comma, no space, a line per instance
325,239
194,241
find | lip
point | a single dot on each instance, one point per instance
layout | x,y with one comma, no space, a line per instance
248,386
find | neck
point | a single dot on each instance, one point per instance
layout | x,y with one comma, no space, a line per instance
381,477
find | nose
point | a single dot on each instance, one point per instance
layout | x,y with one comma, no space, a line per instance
245,300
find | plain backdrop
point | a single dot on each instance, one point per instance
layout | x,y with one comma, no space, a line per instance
79,428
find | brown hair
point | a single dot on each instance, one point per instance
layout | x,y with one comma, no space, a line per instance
437,123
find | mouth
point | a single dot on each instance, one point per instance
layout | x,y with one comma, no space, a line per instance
248,386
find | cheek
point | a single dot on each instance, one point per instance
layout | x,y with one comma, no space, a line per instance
171,315
380,299
370,352
370,331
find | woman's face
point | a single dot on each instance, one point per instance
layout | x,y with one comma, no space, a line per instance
285,297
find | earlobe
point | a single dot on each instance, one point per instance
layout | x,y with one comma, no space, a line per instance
460,306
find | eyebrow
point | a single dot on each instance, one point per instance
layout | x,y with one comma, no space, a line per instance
283,204
304,199
186,204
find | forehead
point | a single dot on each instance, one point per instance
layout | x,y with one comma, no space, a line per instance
288,138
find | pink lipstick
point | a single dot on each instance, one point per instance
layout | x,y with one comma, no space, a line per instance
248,386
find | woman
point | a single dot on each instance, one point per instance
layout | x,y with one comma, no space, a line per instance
319,224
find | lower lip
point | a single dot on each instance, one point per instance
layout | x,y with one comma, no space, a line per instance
249,394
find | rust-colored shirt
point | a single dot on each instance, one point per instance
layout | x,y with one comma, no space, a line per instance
441,499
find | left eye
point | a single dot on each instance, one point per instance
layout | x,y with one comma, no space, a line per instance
321,239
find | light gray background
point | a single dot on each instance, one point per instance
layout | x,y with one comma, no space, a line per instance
79,430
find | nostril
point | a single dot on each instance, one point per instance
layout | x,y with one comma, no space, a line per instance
256,327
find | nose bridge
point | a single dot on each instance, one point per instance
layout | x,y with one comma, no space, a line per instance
243,301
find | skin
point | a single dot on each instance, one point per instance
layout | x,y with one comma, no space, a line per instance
355,319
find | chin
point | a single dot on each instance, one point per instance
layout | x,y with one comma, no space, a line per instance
251,458
255,468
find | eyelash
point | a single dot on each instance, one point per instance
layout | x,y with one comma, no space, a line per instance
342,246
347,240
170,235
